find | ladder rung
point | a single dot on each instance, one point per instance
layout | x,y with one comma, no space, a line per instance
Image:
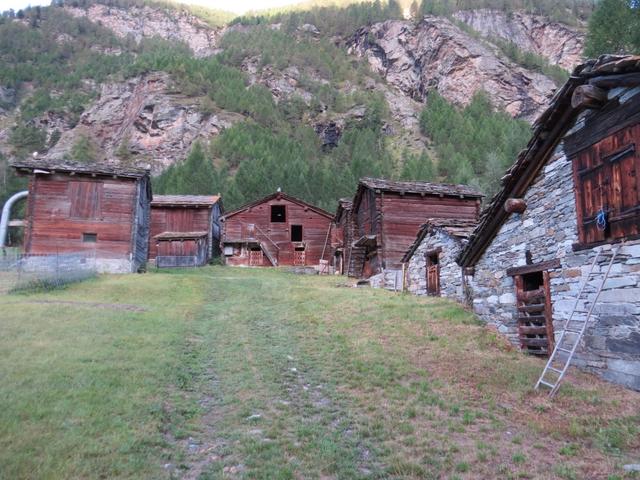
547,384
576,332
555,370
563,350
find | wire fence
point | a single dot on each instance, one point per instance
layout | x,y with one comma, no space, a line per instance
20,271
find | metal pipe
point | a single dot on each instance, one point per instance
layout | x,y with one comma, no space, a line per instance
6,213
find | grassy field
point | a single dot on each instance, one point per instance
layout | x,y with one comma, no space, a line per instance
238,373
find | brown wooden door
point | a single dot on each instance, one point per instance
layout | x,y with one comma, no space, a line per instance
255,258
535,320
299,257
433,275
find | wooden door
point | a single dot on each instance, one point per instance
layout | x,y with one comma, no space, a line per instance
433,274
535,320
299,257
255,257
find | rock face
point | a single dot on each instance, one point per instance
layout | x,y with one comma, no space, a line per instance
554,41
435,54
147,22
143,119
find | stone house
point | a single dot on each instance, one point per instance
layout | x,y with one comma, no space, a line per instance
571,195
430,266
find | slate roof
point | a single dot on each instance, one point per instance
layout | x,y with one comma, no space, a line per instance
186,200
110,169
460,229
607,71
428,188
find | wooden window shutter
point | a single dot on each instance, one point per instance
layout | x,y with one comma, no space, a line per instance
605,177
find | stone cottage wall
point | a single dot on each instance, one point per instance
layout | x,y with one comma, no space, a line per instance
548,229
450,272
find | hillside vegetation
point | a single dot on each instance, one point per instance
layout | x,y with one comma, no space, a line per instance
55,63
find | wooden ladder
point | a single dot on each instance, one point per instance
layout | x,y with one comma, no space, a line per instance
567,344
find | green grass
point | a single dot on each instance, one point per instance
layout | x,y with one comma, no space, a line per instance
244,373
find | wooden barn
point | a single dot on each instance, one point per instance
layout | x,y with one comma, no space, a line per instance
388,215
185,229
98,209
342,236
277,230
568,216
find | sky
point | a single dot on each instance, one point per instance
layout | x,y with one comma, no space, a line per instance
235,6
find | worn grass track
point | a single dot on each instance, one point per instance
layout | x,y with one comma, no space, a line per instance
238,373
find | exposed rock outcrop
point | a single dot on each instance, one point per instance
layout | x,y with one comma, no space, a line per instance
435,54
556,42
146,22
144,119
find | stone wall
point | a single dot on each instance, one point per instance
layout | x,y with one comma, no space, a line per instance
450,272
548,229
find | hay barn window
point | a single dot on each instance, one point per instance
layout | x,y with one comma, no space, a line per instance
607,180
296,233
85,199
89,237
278,213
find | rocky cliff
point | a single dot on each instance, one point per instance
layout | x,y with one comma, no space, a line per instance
558,43
147,22
436,54
143,119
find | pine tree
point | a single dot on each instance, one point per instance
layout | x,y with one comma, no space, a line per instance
613,28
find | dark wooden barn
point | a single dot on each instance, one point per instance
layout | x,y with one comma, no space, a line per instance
101,209
388,215
185,229
277,230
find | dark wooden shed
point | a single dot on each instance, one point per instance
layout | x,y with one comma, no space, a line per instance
174,216
277,230
388,215
98,209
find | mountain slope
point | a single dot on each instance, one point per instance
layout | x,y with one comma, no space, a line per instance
142,84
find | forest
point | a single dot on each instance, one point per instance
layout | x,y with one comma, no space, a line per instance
276,146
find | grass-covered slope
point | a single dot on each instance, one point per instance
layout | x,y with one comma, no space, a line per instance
248,373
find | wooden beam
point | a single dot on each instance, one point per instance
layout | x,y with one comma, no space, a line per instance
536,267
515,205
613,81
588,96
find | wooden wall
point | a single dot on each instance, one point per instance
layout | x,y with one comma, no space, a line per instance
178,219
402,216
315,226
61,208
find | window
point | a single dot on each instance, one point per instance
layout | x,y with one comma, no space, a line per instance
278,213
89,237
607,182
296,233
85,199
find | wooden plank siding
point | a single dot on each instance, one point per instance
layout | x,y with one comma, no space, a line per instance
253,225
403,215
61,208
178,219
